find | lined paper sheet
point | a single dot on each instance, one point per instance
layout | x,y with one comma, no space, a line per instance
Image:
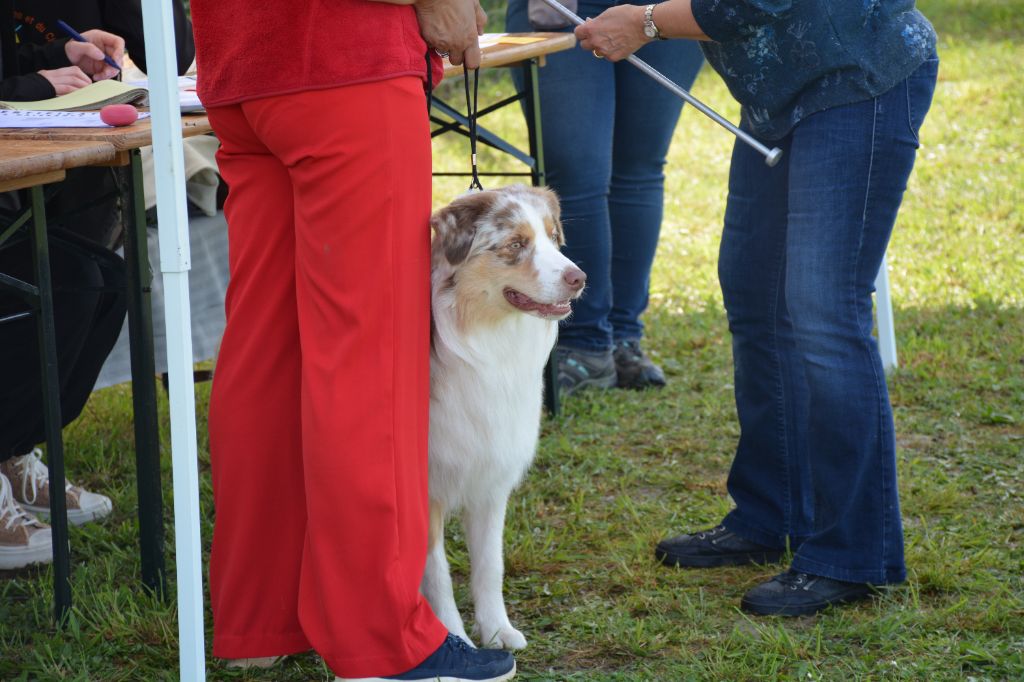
14,118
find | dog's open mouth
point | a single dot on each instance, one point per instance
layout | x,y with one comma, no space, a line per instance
528,305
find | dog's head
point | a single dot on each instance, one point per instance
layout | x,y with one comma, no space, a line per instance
498,251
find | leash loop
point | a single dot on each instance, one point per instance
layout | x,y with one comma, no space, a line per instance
472,107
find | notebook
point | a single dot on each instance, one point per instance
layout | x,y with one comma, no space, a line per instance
91,97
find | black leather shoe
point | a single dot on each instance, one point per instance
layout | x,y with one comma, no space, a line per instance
800,594
715,547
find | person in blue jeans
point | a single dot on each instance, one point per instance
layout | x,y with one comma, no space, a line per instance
606,132
842,89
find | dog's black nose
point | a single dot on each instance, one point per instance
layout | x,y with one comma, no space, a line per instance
574,277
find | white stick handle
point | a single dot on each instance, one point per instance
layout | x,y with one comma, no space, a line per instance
771,156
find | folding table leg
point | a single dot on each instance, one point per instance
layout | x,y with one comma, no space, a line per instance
47,335
531,91
147,434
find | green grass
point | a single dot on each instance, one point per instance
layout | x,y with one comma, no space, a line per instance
619,470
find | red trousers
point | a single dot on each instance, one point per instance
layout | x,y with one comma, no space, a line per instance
318,418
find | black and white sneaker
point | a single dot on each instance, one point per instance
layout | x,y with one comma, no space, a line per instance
801,594
716,546
454,661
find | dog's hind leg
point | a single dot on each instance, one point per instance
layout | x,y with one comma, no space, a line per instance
485,524
437,579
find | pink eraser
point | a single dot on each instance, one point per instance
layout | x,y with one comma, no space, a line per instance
119,114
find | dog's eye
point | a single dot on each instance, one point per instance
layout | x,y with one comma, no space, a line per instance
517,244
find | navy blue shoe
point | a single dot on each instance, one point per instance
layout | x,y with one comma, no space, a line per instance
455,661
800,594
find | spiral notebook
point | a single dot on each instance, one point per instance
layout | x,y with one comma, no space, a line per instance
91,97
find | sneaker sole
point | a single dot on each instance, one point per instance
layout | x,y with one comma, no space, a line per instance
76,517
20,558
436,678
639,385
745,559
600,382
763,609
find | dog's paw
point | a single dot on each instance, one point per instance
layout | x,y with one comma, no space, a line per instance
505,637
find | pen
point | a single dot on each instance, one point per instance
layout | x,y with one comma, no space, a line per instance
75,35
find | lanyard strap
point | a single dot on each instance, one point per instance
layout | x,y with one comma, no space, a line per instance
472,107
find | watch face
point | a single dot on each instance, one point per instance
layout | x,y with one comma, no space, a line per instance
650,31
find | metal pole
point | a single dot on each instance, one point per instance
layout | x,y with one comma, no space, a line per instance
172,215
51,411
147,429
771,156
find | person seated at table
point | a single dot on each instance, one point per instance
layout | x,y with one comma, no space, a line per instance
87,316
87,201
89,307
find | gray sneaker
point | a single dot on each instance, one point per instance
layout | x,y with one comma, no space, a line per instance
634,368
578,369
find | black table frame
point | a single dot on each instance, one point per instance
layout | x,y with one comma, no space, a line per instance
147,434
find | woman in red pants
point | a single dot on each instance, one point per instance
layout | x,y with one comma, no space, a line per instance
318,418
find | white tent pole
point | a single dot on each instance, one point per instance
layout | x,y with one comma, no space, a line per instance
172,216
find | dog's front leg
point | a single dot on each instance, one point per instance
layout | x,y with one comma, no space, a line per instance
437,578
485,524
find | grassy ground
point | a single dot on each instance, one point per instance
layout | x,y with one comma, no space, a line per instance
620,470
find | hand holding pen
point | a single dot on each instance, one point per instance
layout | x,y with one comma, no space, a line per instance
96,52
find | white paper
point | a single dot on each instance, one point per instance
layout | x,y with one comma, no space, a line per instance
13,118
488,39
187,96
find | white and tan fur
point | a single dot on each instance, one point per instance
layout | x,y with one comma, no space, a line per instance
499,287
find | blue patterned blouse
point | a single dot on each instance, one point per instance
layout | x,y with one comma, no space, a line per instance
786,59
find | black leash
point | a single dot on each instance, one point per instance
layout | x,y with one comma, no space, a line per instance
472,107
430,80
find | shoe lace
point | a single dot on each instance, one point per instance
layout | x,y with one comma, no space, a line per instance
632,349
793,579
9,509
458,642
711,533
34,475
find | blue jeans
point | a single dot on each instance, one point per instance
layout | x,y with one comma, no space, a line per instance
816,461
606,131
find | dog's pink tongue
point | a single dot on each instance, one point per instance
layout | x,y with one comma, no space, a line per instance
527,304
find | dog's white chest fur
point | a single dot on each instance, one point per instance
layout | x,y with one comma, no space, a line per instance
485,409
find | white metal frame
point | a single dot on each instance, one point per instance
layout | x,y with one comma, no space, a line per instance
172,214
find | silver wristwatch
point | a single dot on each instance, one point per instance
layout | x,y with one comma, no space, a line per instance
650,30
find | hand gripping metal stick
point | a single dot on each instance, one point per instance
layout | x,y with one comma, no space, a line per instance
771,156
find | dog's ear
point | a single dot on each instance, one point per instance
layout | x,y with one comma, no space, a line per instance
555,208
455,224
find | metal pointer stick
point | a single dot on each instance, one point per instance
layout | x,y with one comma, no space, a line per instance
771,156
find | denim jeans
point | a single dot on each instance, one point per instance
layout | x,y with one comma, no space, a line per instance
606,131
802,244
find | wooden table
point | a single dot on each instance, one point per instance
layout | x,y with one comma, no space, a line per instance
529,57
508,54
27,163
111,147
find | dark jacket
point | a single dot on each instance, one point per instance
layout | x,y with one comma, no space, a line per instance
786,59
19,61
36,23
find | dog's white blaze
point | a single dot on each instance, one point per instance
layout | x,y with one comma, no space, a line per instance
551,264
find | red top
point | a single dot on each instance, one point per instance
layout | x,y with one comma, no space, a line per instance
246,50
